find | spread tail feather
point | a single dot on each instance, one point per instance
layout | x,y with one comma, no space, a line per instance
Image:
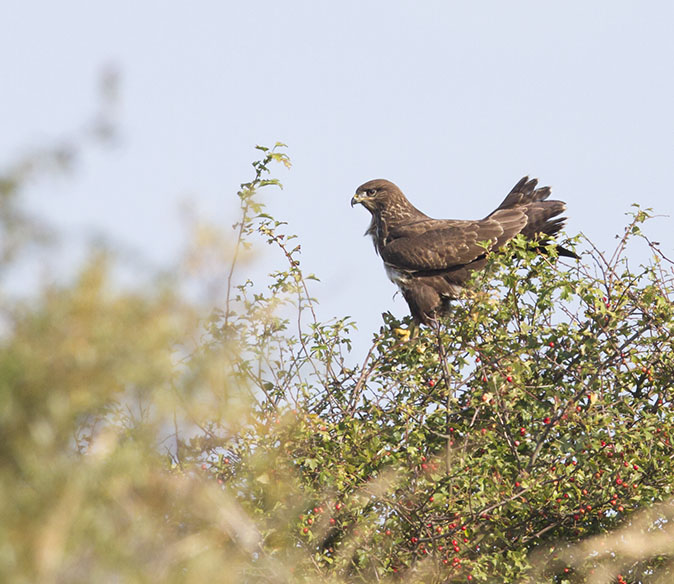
524,193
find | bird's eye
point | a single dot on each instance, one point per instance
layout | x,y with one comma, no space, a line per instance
371,192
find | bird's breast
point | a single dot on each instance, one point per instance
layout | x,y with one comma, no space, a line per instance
396,276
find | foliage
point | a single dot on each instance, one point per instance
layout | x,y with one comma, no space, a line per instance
142,444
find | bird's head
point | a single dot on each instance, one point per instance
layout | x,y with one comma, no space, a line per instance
375,193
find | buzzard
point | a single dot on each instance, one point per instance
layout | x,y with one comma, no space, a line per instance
429,259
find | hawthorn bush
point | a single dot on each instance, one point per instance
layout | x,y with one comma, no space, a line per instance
524,439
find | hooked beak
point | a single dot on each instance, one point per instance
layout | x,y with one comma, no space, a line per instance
357,198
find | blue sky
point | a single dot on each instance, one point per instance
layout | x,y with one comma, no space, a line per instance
453,101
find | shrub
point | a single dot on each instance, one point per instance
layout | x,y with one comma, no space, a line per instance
526,439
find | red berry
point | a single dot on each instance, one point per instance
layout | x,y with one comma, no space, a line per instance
546,420
332,521
509,378
305,530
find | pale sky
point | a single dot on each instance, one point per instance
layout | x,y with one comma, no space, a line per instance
453,101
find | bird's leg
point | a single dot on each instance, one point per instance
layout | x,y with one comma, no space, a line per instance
414,329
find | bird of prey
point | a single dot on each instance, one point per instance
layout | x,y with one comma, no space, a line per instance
430,260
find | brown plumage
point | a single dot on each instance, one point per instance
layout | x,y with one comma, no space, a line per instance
431,259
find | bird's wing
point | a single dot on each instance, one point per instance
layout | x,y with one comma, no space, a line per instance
443,245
